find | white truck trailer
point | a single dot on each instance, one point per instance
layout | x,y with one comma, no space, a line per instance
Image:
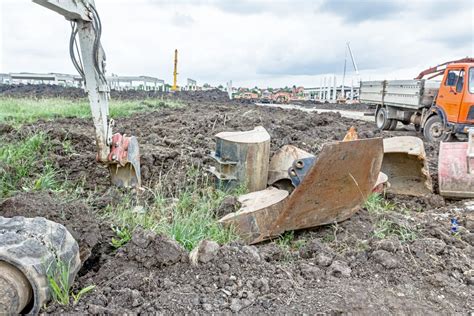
399,100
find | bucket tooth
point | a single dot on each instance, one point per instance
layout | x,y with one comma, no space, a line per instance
404,163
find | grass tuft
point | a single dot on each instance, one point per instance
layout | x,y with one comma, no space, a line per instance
376,204
60,285
17,111
24,165
188,217
386,228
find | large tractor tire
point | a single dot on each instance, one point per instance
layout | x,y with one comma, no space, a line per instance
434,132
381,119
30,248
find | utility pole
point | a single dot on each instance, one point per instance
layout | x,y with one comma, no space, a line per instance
345,67
175,72
229,89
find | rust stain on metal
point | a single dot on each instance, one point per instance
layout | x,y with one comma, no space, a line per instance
335,187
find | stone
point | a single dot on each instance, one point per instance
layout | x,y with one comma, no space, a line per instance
204,252
323,260
385,258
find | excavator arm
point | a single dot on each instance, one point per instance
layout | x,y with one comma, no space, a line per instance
439,69
118,152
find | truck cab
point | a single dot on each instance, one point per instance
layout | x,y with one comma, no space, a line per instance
453,111
456,94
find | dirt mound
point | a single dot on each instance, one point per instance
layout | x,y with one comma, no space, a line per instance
41,91
55,91
382,276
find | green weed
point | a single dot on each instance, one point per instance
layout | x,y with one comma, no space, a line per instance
46,180
124,235
385,228
67,147
24,166
328,238
77,296
60,285
288,244
376,204
285,240
58,281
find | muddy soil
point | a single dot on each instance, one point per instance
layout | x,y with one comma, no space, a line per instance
335,269
358,107
174,140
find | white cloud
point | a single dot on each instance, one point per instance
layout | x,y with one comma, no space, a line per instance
265,43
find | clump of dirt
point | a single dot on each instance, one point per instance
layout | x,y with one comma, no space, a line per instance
229,205
5,128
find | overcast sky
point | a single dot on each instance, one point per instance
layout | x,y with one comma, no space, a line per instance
260,42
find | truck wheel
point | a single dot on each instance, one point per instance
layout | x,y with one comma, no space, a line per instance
381,119
434,130
393,125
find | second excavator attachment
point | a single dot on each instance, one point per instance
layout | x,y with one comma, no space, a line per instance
404,163
124,161
333,189
456,169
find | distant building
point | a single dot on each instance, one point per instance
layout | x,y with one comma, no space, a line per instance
66,80
4,78
191,85
146,83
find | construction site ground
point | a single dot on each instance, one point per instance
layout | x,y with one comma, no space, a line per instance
396,255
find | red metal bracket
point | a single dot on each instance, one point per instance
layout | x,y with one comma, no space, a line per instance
119,149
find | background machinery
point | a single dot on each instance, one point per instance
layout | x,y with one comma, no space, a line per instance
175,72
439,109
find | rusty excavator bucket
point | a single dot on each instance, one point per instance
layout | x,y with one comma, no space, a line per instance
124,160
404,163
329,188
456,169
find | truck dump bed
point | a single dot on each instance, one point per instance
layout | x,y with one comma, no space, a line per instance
412,94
